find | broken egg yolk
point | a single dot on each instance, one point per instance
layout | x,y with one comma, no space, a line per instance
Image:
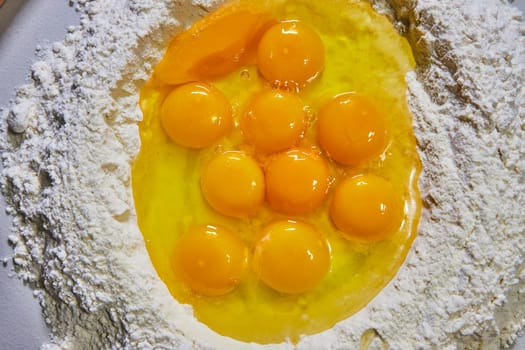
274,121
291,256
226,41
196,115
210,260
276,184
290,54
233,184
296,181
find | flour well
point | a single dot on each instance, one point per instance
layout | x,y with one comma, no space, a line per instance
70,137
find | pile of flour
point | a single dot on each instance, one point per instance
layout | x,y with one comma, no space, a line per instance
69,138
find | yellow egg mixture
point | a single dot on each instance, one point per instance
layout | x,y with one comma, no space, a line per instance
276,185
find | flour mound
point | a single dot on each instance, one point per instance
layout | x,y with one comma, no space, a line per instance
70,137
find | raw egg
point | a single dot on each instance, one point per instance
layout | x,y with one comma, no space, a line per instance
211,260
290,54
196,115
291,256
274,121
276,185
366,207
233,184
351,130
296,181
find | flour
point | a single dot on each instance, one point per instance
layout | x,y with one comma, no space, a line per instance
70,136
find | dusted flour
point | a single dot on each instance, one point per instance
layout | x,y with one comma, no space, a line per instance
70,136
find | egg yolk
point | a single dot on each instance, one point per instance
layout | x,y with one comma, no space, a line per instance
351,129
296,181
210,260
290,54
196,115
291,256
366,207
214,45
233,184
274,121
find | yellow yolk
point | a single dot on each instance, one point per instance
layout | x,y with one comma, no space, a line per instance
233,184
291,256
274,121
351,129
214,45
210,260
296,181
196,115
290,54
366,207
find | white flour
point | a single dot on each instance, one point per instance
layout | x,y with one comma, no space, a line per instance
71,136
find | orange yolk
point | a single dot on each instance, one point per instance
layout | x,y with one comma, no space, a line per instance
196,115
214,45
366,207
296,181
290,54
233,184
291,256
274,121
210,260
351,130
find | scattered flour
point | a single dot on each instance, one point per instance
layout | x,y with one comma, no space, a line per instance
70,136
